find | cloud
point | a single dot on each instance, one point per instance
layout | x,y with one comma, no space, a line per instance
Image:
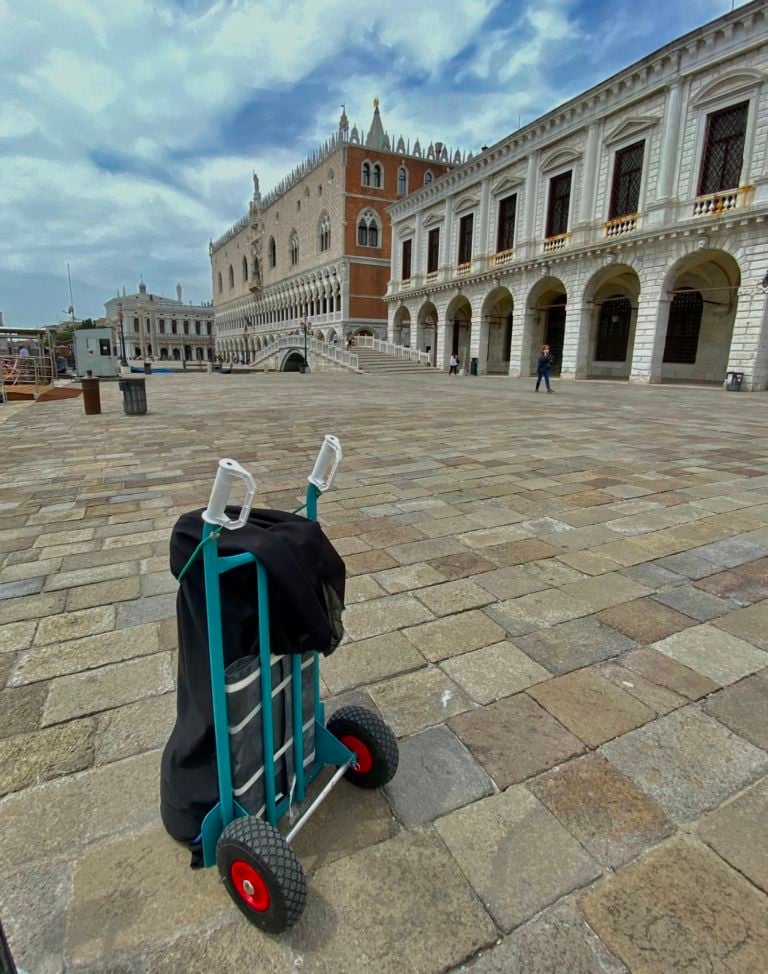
129,130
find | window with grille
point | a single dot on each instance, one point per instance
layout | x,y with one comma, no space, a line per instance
683,328
505,238
559,204
366,174
406,265
402,181
433,250
723,149
627,174
465,238
613,329
377,171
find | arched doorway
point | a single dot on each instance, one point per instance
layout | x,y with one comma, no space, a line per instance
703,297
188,352
496,332
426,331
293,362
199,354
176,355
163,354
614,293
402,327
458,331
548,305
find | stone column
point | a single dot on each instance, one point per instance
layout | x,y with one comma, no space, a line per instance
650,337
749,343
589,173
578,327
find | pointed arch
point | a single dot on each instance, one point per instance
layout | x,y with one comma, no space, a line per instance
231,277
294,248
402,181
369,229
365,173
377,175
220,283
428,177
245,268
324,232
272,252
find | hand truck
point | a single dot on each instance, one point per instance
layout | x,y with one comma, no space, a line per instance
258,867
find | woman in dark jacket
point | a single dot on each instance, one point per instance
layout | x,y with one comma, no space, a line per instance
543,367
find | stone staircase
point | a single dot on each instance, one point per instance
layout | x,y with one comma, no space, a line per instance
376,362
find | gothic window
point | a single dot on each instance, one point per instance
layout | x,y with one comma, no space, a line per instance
406,262
368,229
272,252
366,174
220,283
245,268
627,174
324,232
613,329
428,177
231,277
377,176
559,204
723,149
433,250
402,181
683,328
465,238
294,248
505,237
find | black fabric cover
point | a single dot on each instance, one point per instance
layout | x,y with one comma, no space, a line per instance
306,596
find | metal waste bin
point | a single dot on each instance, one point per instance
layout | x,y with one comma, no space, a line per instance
147,368
733,381
134,396
91,396
473,366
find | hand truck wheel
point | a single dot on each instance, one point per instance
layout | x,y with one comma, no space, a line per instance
365,733
262,874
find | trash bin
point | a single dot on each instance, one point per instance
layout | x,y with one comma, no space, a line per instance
91,396
473,366
733,381
147,368
134,396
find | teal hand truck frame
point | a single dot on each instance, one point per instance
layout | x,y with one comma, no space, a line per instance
257,864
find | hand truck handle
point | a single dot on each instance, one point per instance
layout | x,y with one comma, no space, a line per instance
228,473
327,463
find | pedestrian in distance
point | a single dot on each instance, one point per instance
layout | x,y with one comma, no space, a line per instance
454,361
544,367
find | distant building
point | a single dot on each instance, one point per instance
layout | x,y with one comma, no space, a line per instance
625,228
162,328
317,246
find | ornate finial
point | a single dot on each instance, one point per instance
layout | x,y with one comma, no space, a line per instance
376,103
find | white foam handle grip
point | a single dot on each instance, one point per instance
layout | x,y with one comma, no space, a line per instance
327,463
227,475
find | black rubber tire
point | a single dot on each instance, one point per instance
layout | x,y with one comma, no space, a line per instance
255,842
377,737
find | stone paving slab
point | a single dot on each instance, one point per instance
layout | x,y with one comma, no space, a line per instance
517,856
736,831
680,908
671,760
571,645
713,653
494,672
743,707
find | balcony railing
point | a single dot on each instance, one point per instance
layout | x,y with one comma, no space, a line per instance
552,244
620,225
404,285
502,257
715,204
463,269
432,276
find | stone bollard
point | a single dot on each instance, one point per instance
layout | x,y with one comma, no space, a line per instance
91,396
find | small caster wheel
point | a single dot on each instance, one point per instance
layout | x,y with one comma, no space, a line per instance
365,733
262,874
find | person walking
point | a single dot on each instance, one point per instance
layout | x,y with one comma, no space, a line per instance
543,368
454,361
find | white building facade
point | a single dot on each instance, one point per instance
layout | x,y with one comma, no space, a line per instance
626,228
159,328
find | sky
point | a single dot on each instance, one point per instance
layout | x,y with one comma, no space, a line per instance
129,129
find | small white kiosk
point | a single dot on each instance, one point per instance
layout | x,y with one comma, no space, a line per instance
95,352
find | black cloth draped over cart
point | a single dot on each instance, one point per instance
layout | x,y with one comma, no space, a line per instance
306,598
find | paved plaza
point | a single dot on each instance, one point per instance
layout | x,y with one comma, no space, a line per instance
559,603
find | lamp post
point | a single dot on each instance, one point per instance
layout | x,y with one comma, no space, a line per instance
123,359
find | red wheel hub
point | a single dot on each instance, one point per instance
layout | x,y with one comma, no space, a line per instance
363,752
250,886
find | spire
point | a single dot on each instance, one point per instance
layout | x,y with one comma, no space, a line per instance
142,285
256,190
343,124
375,138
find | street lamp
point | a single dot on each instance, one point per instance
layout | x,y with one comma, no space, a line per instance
123,359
